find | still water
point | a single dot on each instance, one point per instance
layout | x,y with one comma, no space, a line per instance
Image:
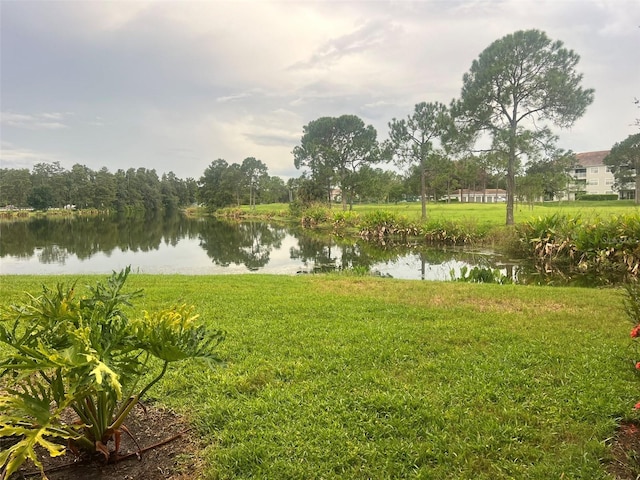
177,244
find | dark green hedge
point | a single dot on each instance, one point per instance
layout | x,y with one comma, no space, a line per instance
597,197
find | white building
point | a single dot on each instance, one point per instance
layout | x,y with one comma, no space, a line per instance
591,175
489,195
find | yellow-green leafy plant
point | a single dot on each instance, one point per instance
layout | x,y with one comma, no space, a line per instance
72,367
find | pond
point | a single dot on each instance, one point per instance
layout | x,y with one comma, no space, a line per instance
177,244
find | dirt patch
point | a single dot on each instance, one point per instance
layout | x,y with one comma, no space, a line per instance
625,449
173,454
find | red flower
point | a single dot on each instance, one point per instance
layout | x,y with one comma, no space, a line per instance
637,406
635,332
638,365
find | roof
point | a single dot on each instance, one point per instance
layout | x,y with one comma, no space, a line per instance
592,159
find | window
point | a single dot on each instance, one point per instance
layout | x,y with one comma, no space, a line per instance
593,170
580,173
593,181
608,181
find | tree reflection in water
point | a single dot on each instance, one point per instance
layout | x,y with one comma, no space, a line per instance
180,242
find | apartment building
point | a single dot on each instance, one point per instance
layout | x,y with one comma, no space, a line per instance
591,175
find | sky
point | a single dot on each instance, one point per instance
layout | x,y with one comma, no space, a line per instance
175,85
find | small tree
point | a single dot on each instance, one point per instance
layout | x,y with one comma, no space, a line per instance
624,161
334,149
411,141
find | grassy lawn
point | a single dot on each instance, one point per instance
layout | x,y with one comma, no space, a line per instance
484,214
350,377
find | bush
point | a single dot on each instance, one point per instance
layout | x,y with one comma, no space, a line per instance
85,356
445,232
345,218
382,224
593,243
592,197
315,215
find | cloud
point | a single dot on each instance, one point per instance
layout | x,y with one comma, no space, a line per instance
12,156
37,121
173,86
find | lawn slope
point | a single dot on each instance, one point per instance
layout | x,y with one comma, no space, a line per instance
352,377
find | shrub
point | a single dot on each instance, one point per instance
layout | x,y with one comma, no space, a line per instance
382,224
593,197
450,233
345,218
315,214
480,275
85,356
595,244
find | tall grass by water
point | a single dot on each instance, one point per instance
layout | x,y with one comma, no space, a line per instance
354,377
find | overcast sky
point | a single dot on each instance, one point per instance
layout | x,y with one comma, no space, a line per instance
175,85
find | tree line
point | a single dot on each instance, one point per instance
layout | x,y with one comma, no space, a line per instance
497,134
49,185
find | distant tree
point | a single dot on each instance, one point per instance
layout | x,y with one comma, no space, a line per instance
624,161
169,190
517,85
51,176
546,178
255,172
273,190
411,141
15,186
191,192
334,149
292,187
80,184
41,197
104,189
214,189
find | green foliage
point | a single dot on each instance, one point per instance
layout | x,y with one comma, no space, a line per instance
592,197
624,160
85,355
345,218
480,275
411,141
446,232
587,243
380,225
334,149
315,214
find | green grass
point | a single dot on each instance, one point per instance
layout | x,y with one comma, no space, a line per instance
487,214
353,377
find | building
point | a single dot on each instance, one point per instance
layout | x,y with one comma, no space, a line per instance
489,195
591,176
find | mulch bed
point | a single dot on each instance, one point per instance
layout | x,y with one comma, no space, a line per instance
169,451
625,449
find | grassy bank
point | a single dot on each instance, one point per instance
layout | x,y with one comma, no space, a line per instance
489,215
349,377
